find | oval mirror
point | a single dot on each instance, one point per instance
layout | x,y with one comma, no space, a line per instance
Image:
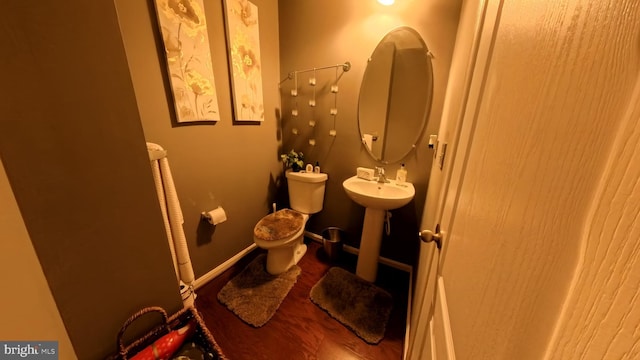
395,95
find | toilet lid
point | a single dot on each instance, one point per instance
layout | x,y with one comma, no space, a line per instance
278,225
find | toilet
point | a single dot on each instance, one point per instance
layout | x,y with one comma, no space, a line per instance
281,233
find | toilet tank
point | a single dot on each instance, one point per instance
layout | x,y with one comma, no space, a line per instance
306,191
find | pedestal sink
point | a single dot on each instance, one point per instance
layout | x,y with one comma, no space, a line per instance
377,198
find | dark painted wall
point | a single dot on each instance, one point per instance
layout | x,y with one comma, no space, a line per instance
74,152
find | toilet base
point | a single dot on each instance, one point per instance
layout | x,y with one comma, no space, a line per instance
281,259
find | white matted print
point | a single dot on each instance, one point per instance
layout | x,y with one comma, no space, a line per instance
186,42
243,39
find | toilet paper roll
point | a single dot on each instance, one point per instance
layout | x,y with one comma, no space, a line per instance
215,216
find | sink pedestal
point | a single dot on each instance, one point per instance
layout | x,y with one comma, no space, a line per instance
377,198
367,267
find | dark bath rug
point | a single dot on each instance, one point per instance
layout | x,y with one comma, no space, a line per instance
356,303
254,295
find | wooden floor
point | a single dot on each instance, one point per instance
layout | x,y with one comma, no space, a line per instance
300,329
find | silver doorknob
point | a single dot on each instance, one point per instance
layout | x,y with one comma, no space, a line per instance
430,236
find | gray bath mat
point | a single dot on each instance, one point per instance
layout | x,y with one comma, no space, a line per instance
254,295
358,304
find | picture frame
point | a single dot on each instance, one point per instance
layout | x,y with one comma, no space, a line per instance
185,38
243,43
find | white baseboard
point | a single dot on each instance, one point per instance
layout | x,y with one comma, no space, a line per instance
352,250
407,330
199,282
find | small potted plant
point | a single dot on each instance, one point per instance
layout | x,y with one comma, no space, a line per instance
293,160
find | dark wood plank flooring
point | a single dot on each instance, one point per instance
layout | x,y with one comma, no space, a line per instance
300,329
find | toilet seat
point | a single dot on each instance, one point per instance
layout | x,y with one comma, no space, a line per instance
281,225
281,234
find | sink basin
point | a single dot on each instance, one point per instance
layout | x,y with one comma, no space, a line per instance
374,195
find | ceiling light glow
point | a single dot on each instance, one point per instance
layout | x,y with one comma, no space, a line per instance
386,2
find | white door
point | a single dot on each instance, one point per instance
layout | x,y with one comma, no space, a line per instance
430,334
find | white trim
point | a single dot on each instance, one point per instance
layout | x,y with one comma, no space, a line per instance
432,337
313,236
446,324
201,281
423,303
405,351
352,250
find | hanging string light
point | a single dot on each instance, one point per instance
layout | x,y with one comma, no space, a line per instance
334,110
294,96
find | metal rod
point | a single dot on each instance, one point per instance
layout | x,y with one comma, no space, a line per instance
345,67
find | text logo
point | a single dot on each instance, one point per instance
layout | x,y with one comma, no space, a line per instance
32,350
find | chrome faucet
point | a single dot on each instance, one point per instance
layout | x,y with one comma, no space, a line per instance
381,176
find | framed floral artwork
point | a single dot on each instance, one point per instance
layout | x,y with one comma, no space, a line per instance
186,43
243,40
